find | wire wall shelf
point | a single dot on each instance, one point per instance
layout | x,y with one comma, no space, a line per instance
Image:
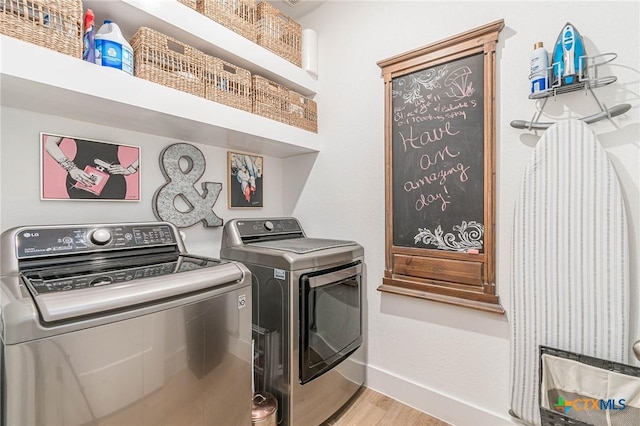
588,78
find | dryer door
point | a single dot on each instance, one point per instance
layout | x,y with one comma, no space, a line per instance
330,318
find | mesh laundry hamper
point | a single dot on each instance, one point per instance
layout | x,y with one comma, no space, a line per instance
581,390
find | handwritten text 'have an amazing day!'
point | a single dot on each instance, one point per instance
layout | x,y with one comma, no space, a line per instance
439,163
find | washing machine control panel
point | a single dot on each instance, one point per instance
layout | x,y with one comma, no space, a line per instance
82,275
77,282
60,240
263,227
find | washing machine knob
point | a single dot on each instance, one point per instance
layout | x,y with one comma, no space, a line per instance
268,225
100,236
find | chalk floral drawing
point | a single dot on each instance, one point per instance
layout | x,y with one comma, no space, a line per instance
457,83
469,235
410,87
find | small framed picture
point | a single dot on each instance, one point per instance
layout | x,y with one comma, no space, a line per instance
79,169
245,180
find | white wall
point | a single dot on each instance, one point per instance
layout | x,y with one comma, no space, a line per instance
449,361
21,204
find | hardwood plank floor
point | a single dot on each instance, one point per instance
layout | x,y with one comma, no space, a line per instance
370,408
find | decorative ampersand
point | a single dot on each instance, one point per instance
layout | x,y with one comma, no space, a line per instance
181,183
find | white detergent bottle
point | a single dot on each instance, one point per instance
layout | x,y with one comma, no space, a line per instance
112,49
539,68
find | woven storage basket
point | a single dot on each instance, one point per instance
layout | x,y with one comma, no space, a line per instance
54,24
191,3
270,99
237,15
166,61
227,84
279,33
303,112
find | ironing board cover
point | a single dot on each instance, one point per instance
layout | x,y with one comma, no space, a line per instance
570,279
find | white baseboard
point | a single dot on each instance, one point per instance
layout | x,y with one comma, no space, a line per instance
431,402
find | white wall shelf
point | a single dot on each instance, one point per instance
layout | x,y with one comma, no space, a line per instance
41,80
176,20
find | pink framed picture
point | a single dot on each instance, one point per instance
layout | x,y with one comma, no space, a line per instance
80,169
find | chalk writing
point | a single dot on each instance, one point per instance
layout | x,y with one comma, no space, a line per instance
439,177
426,137
409,88
439,198
428,160
437,148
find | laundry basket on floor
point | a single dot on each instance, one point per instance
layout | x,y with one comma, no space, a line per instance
582,390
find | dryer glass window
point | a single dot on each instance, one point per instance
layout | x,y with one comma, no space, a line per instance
331,320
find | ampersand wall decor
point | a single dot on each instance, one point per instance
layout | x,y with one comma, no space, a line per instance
181,183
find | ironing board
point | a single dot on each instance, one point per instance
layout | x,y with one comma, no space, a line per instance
570,261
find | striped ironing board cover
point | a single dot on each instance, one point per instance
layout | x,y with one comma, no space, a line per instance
570,270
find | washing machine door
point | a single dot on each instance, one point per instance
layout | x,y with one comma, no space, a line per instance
330,318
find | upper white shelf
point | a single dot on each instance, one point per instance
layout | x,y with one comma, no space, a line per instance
41,80
176,20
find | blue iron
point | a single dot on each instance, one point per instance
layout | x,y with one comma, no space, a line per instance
569,57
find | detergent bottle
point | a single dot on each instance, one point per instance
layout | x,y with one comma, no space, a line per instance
539,68
112,49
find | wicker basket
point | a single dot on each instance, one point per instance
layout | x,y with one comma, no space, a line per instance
237,15
227,84
166,61
279,33
191,3
303,112
54,24
270,99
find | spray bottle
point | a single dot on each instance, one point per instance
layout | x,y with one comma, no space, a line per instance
89,52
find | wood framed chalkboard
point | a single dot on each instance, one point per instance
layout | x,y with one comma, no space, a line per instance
439,143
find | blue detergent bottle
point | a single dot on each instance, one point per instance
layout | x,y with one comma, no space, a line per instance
112,49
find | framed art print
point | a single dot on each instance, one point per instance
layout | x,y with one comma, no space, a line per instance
245,180
79,169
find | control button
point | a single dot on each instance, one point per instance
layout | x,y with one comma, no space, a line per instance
101,281
268,225
100,236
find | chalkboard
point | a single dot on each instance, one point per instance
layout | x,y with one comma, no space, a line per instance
437,135
439,138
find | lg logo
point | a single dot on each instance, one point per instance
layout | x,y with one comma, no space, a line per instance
30,234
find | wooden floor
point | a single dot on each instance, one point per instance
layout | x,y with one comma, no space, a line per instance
369,408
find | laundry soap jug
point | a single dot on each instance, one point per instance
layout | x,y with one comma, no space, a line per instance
112,49
539,68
